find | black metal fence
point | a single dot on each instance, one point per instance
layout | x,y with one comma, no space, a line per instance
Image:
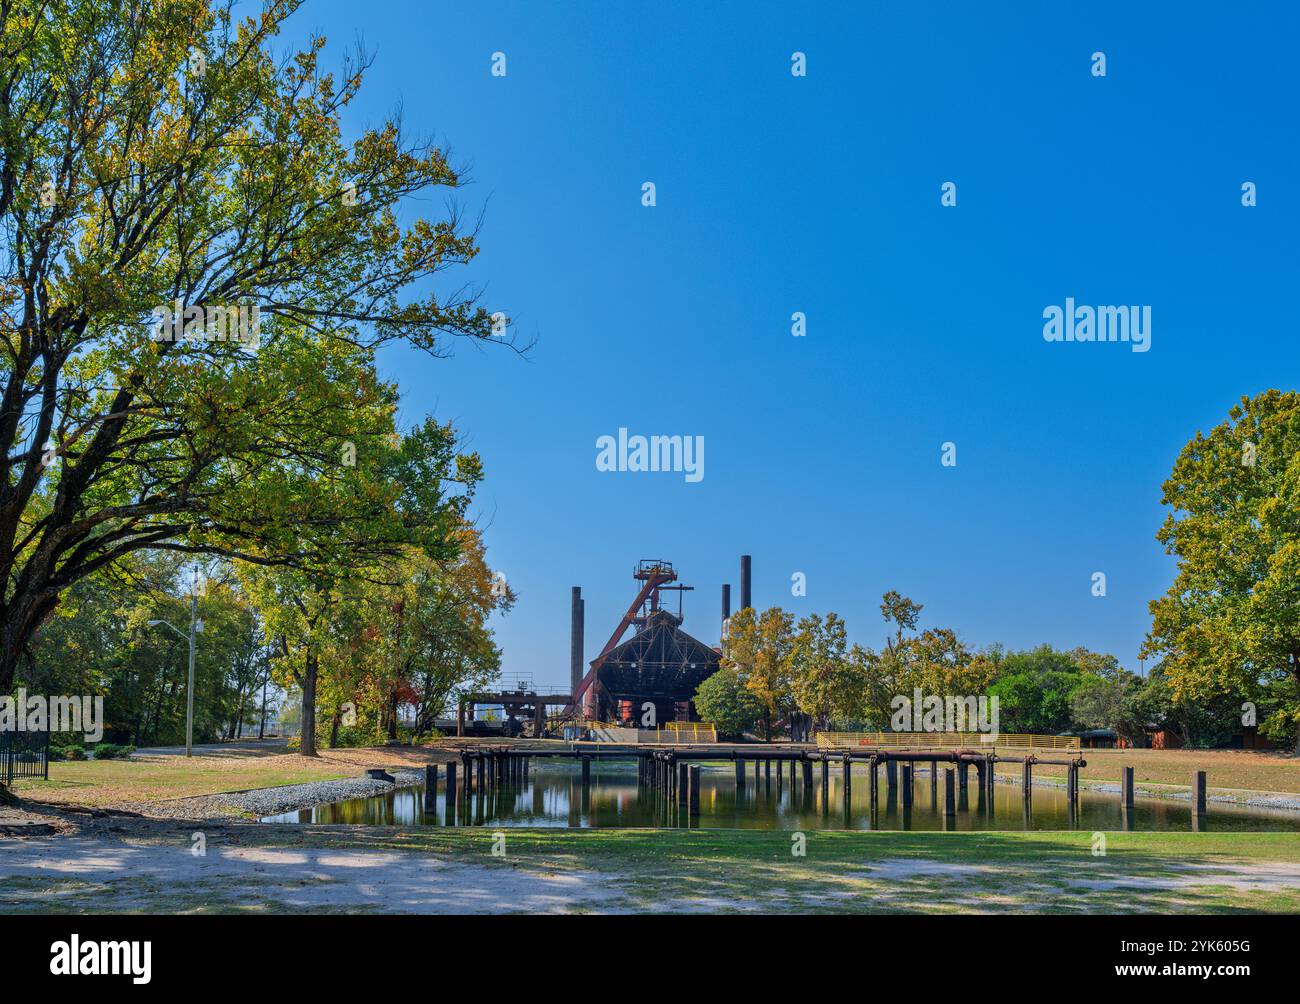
24,754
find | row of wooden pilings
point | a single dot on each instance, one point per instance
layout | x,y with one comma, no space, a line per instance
673,776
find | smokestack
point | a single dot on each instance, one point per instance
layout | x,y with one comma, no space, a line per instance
744,582
726,600
575,645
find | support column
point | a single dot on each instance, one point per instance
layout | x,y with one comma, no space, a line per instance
740,776
1126,789
891,775
431,787
949,794
1199,793
451,794
695,791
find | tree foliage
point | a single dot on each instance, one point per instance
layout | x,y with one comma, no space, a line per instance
1229,626
162,153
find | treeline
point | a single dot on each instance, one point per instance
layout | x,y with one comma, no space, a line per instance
407,633
773,666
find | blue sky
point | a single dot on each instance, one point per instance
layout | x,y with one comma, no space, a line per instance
821,194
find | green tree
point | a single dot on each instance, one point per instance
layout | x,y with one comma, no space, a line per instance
824,681
147,162
724,700
1229,626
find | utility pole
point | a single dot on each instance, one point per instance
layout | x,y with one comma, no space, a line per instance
189,698
196,628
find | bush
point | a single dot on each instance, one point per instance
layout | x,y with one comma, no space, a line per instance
112,751
359,736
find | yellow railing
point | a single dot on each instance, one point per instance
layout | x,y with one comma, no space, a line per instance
687,732
944,740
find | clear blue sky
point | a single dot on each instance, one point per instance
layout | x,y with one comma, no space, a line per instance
822,195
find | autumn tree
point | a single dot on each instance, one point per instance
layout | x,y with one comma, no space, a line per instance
1229,626
757,648
159,156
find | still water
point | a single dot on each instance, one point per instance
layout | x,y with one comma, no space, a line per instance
552,796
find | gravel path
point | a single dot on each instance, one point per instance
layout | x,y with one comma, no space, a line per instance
273,801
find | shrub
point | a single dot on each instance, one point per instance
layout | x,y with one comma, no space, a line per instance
112,751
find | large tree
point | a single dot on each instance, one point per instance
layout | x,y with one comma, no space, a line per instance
757,648
159,153
1229,625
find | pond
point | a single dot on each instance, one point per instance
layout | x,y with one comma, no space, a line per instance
552,796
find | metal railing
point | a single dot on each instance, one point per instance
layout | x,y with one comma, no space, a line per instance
687,732
944,740
24,754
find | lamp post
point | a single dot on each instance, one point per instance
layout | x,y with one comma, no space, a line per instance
196,628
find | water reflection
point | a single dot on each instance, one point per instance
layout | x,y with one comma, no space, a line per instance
553,796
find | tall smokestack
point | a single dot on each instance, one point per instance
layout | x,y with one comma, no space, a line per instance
726,600
575,644
744,582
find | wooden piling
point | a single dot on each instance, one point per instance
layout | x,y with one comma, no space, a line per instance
906,781
826,785
963,775
740,776
949,793
586,773
807,775
451,792
694,778
1198,792
848,782
683,786
873,782
431,787
891,775
1126,789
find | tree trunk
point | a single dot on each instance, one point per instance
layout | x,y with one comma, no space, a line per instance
307,744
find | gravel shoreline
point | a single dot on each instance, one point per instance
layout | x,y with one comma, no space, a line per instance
289,798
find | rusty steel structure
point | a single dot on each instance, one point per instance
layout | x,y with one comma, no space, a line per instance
651,677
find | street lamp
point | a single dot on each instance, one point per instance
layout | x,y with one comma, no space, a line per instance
196,627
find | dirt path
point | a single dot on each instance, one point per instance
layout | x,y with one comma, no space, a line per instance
101,875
